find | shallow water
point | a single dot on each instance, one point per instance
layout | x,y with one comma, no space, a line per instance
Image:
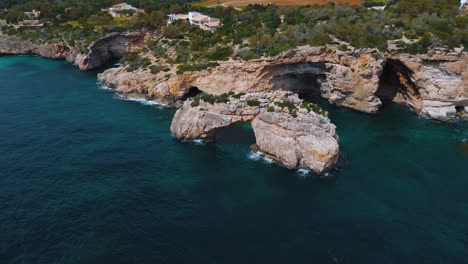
85,178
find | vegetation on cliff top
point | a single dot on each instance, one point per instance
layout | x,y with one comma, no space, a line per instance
252,32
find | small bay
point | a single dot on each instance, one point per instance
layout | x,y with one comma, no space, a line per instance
86,178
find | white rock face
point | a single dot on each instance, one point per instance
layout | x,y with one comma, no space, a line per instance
442,83
291,134
307,141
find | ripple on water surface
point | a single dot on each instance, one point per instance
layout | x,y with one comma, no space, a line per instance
85,178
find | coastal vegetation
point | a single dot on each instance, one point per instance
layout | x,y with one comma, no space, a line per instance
251,32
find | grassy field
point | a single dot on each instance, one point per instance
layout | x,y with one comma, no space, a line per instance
277,2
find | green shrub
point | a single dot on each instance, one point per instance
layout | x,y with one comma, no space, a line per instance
196,102
271,109
253,103
286,104
220,54
155,69
238,96
343,47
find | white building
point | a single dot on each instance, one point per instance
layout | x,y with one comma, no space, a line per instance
174,17
123,10
198,19
32,14
29,23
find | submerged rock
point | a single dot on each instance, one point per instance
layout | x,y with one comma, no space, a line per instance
285,128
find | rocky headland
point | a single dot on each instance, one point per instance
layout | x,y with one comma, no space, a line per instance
433,85
99,54
267,91
295,133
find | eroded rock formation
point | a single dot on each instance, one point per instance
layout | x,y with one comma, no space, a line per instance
435,85
111,48
344,79
285,128
12,45
101,52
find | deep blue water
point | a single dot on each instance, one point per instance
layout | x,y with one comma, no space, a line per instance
86,178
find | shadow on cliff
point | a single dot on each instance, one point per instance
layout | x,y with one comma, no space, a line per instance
396,86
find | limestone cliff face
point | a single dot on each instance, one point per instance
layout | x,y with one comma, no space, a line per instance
304,141
111,48
12,45
433,85
139,83
344,79
439,83
285,129
100,53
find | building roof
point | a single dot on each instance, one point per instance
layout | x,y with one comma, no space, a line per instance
200,18
213,24
121,5
182,16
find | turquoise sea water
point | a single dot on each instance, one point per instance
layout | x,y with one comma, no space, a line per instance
86,178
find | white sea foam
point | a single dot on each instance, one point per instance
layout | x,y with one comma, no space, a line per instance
199,142
255,155
303,173
140,100
259,156
103,87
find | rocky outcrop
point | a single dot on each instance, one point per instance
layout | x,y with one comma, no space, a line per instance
345,79
138,83
111,48
433,85
286,128
101,52
304,141
12,45
439,83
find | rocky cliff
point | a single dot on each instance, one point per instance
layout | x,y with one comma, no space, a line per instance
433,85
12,45
110,49
345,79
101,52
287,129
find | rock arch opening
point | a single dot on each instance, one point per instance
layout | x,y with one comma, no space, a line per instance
238,133
396,85
110,49
304,79
191,92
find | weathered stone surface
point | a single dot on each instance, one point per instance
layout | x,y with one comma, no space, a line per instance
12,45
100,53
306,141
111,48
151,86
441,82
349,79
294,136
